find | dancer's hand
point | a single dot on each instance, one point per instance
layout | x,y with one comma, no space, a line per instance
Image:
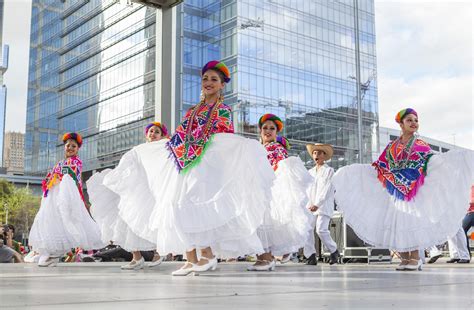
313,208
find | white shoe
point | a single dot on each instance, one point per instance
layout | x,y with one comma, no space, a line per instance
269,266
183,271
156,262
418,266
32,257
285,259
251,268
402,266
134,265
211,265
47,261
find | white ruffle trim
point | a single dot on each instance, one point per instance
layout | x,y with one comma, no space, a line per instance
104,209
432,216
287,223
63,223
218,203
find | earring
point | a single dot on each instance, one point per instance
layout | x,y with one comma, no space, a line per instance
201,96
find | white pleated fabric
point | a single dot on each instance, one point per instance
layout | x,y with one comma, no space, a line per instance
63,223
433,214
287,223
104,209
218,203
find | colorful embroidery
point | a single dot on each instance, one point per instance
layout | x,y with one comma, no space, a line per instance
275,153
284,141
191,137
71,166
402,169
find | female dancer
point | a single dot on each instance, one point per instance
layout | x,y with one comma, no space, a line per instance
211,187
105,206
287,222
63,221
413,199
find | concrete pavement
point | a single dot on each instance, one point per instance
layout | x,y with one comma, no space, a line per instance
291,286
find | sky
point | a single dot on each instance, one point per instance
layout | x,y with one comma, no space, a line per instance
424,59
16,33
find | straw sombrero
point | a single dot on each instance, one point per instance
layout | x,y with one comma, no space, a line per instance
326,148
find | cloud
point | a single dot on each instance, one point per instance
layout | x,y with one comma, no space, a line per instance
431,38
424,55
444,106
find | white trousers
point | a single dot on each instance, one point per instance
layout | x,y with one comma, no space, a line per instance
321,224
457,246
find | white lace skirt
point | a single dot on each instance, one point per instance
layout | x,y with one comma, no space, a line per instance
104,209
63,223
434,214
218,203
287,223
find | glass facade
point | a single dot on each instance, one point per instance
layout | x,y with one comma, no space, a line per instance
293,58
92,70
92,66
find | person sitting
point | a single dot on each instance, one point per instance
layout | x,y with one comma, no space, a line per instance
7,254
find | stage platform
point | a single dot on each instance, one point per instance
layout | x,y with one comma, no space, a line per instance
291,286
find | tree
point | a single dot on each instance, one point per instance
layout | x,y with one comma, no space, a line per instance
6,188
21,205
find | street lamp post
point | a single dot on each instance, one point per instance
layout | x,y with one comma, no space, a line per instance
357,59
6,212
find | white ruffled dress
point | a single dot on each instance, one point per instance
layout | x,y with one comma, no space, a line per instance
384,221
63,223
287,223
218,203
105,210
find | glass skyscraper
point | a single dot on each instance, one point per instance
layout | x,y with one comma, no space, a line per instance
293,58
92,70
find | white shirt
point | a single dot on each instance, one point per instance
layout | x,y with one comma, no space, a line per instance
321,192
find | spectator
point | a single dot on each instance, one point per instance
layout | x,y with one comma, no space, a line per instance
7,254
11,242
114,253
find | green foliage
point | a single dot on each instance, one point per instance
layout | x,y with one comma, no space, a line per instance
6,188
22,206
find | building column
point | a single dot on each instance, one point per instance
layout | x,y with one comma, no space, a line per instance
168,62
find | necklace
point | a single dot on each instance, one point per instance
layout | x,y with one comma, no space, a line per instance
399,160
189,139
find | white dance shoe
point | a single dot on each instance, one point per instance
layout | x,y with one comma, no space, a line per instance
268,266
285,258
418,266
48,261
211,265
402,265
156,262
184,271
134,265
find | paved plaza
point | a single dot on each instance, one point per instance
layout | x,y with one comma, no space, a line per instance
291,286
